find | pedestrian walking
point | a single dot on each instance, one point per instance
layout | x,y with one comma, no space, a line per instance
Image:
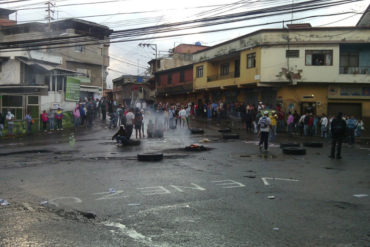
324,126
45,120
104,109
338,133
182,117
264,125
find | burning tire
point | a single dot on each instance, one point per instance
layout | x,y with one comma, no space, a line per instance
197,131
150,157
313,144
294,150
196,147
230,136
227,130
289,145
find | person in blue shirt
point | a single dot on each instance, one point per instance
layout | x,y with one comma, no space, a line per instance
351,126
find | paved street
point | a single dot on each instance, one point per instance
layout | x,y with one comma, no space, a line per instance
97,194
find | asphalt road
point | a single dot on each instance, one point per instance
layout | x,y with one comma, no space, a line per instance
97,194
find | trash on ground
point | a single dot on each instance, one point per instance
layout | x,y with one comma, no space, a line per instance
111,190
271,197
43,203
276,228
360,195
134,204
4,202
205,140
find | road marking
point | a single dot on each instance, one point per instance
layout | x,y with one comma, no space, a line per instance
157,190
264,179
196,187
64,198
229,184
110,195
131,233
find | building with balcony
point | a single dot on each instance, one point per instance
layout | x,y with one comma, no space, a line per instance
175,85
303,68
132,90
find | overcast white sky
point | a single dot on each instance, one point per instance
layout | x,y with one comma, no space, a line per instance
133,59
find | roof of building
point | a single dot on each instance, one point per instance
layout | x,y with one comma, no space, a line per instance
81,27
365,19
295,29
6,11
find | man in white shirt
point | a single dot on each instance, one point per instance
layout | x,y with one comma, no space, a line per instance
10,118
130,117
324,126
264,125
182,114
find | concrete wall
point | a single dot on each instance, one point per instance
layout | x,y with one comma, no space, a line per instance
56,98
10,72
274,61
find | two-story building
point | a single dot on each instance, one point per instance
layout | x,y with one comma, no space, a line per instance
132,90
35,76
303,68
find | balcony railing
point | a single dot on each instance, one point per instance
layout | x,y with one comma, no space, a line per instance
223,77
363,70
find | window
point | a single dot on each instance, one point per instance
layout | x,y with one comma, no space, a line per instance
33,100
182,76
319,57
237,68
292,53
225,69
169,79
79,48
199,71
251,60
14,101
85,72
349,59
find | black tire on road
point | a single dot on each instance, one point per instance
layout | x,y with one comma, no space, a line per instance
313,144
288,145
226,130
150,157
133,143
230,136
294,150
197,131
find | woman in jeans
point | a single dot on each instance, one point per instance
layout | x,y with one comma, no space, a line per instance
45,119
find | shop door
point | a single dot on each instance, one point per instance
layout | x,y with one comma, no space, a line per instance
345,108
308,107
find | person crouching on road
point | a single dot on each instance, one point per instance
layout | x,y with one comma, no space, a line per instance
264,125
121,136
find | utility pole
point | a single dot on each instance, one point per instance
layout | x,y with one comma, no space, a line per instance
50,6
154,47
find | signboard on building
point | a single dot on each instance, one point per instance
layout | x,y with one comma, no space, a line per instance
346,92
73,89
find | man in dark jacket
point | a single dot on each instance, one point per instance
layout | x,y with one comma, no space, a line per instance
338,132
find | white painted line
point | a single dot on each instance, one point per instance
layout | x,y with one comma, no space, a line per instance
264,180
130,233
110,195
157,190
65,198
180,188
229,184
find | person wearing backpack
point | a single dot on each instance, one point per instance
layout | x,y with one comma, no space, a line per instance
338,133
264,125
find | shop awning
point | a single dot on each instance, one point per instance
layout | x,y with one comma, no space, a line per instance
44,66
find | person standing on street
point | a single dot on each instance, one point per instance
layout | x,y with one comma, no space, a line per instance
103,108
264,125
338,133
351,125
59,118
77,116
130,118
10,120
51,116
45,119
28,119
324,126
2,123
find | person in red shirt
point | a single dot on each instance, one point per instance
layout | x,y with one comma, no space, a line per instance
310,125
